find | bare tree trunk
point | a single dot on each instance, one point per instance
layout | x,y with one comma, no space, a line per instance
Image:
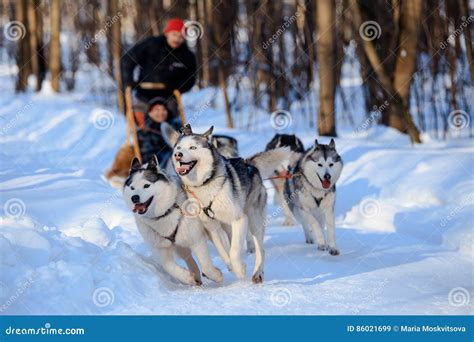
467,37
152,17
221,34
34,44
203,18
22,49
325,16
399,114
54,45
116,50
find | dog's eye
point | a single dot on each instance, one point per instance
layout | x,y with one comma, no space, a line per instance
146,186
193,147
331,165
320,165
132,188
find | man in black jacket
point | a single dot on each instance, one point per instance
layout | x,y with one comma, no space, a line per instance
164,59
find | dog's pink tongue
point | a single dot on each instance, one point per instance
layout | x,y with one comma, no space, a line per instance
326,184
139,207
183,168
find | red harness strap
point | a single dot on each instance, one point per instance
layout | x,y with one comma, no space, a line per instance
284,175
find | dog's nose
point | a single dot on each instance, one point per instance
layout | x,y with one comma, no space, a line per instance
327,176
178,155
135,199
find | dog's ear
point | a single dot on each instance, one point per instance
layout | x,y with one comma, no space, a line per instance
170,135
153,164
186,130
135,165
332,144
316,144
208,133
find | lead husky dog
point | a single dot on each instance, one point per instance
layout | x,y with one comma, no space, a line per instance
166,224
230,192
311,193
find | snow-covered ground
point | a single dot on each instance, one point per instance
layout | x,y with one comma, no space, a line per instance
68,244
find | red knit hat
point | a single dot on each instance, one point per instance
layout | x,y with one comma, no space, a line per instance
175,24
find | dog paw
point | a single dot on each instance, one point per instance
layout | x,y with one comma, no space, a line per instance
322,247
257,278
310,241
240,270
214,275
333,251
192,280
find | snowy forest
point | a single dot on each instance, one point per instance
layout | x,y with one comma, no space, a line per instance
414,59
390,81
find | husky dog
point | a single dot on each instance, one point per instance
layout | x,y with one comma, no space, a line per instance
230,192
311,193
166,224
297,149
225,145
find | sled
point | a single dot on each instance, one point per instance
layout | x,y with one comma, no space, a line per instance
119,171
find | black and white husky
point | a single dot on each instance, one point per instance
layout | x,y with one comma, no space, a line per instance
225,145
166,222
311,193
230,192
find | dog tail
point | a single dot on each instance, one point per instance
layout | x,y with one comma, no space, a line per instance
270,162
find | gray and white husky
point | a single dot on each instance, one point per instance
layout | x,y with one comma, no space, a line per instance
166,222
230,192
311,193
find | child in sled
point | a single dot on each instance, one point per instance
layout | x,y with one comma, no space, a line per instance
149,134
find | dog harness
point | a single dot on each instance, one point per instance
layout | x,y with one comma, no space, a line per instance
172,236
207,210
